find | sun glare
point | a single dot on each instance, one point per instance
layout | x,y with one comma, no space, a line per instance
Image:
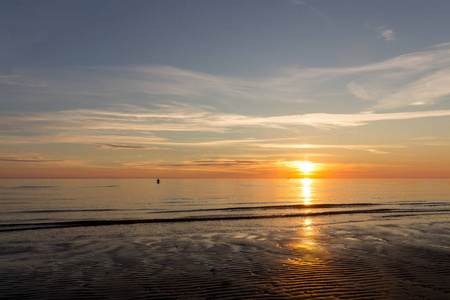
306,166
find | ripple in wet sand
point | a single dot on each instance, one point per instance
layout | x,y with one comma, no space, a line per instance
340,262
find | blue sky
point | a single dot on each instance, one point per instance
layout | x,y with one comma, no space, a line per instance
223,37
224,88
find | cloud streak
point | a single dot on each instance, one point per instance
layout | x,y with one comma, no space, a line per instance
387,34
172,118
142,128
217,163
413,79
124,147
370,148
27,160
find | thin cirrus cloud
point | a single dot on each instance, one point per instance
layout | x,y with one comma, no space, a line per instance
124,147
427,90
312,8
217,162
386,33
26,160
211,165
419,78
384,82
376,149
413,79
138,126
169,119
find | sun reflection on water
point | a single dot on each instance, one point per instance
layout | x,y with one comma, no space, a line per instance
305,245
306,190
307,223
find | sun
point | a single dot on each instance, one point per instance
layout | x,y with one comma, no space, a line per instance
306,166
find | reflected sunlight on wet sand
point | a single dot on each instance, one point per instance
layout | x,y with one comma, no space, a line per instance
303,257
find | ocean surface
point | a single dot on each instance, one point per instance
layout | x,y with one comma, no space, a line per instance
47,203
217,238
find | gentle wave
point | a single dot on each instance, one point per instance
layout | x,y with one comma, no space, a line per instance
88,223
230,209
46,211
269,207
237,208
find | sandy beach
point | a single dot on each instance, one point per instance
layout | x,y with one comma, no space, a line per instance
301,258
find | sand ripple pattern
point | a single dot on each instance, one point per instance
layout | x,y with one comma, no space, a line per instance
349,261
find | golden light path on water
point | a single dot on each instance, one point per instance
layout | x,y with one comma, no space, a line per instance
307,194
306,190
306,233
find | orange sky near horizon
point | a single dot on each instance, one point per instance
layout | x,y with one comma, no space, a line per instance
325,171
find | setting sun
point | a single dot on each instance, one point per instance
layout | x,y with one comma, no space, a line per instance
306,166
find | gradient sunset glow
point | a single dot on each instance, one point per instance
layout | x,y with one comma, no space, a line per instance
219,89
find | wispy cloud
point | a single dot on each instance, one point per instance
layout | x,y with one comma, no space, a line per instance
386,33
419,78
124,147
250,166
310,7
21,78
222,166
317,146
415,79
427,90
217,163
370,148
140,128
26,160
349,120
431,141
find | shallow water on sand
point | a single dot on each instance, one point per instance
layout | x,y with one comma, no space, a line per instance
279,239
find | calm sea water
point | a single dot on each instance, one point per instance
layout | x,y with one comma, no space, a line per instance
39,204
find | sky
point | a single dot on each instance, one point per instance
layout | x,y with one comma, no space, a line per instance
224,89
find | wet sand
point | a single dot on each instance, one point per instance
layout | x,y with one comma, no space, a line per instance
301,258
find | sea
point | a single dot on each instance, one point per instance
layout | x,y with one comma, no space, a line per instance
49,203
139,239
